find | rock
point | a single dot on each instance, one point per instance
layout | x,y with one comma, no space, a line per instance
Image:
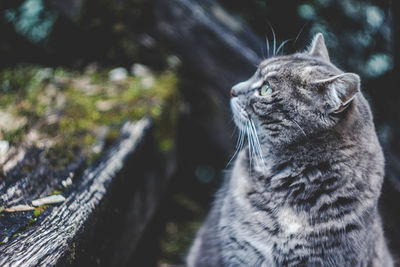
85,85
139,70
118,74
13,160
4,147
101,135
91,68
147,82
44,74
105,105
67,182
173,61
146,40
145,73
10,122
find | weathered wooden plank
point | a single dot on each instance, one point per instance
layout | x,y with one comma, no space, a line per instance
49,241
218,49
215,43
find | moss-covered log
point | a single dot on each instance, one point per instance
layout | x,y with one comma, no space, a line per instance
59,136
70,230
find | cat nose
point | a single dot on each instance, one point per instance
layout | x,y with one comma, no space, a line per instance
239,88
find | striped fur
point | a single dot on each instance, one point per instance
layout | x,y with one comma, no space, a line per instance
304,190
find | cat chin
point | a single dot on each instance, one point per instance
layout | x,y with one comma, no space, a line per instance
240,116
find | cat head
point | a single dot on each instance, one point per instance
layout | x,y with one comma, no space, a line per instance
294,96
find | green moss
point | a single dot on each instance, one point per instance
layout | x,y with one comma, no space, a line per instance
68,108
39,210
17,80
13,136
73,251
180,230
66,111
55,192
177,240
166,121
35,215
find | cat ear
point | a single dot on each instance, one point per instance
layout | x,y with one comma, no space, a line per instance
339,90
318,47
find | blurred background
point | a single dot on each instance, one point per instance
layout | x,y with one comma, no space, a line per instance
108,57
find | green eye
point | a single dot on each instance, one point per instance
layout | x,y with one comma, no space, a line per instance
265,90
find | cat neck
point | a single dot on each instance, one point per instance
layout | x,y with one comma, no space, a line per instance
312,149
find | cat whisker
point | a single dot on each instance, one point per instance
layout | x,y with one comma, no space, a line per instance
233,132
273,34
300,32
241,141
257,144
250,141
254,145
274,38
267,43
239,146
282,45
301,129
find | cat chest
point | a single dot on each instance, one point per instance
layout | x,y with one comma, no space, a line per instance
291,223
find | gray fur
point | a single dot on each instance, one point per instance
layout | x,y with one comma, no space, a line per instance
304,191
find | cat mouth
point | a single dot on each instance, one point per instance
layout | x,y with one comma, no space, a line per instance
240,116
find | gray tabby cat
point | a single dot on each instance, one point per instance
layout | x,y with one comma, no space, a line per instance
305,192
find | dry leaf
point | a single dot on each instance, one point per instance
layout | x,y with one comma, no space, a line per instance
19,208
54,199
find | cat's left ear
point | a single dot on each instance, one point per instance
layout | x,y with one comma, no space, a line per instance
318,47
339,90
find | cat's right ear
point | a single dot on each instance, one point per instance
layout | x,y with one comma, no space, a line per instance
338,91
318,47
